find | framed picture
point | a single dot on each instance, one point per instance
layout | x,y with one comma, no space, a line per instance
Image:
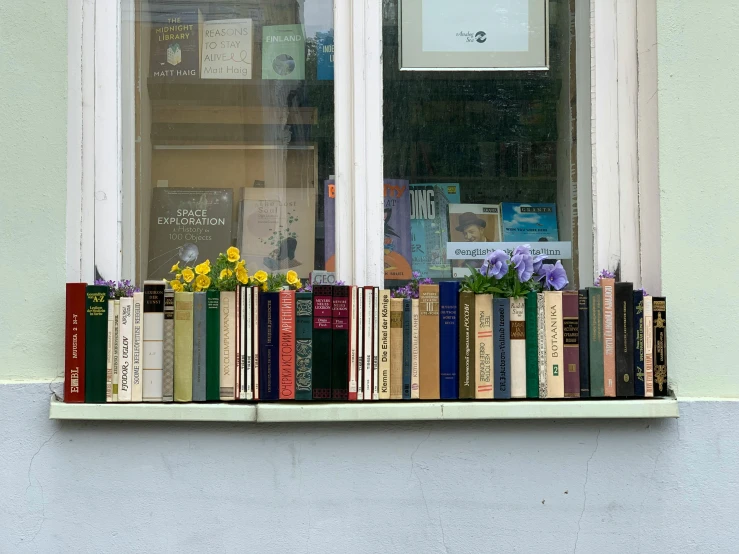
474,35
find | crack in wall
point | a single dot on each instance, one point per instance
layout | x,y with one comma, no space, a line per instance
585,490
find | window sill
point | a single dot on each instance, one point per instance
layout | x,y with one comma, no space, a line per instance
292,412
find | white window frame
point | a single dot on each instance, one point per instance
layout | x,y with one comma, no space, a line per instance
618,207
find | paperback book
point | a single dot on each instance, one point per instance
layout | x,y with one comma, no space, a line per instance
283,52
176,42
473,224
529,222
430,227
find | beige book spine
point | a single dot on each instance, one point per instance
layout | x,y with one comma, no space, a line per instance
609,337
648,348
415,361
428,299
385,344
183,341
376,344
484,345
542,344
137,391
396,348
555,344
518,348
227,385
116,346
109,352
125,350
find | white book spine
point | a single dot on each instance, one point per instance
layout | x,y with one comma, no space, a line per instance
648,347
554,324
228,345
360,344
109,352
542,344
385,345
137,389
518,347
125,338
249,354
367,344
243,331
153,355
353,343
255,345
116,346
415,352
376,344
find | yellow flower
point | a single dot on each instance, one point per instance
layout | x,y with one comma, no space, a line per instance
298,285
261,276
203,269
241,263
178,276
233,254
176,285
225,273
196,288
292,277
188,275
265,288
242,275
175,268
202,282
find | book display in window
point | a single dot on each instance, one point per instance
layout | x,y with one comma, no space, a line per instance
227,49
529,222
397,229
176,42
283,52
430,227
473,224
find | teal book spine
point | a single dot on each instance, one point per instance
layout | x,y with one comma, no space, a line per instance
212,345
532,347
96,343
595,337
303,346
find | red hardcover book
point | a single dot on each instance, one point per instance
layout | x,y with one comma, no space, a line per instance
571,333
74,344
287,345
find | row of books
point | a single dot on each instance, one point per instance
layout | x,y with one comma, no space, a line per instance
360,344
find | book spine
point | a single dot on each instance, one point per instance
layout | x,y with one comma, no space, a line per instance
198,346
153,341
353,343
94,346
322,337
137,346
396,348
287,345
415,354
255,302
484,346
367,383
555,362
648,348
240,343
226,381
340,342
595,337
385,344
376,344
303,346
659,351
571,340
518,347
212,345
407,347
532,347
74,343
609,337
125,352
116,347
467,349
624,329
360,343
168,347
542,344
501,348
638,342
270,358
249,332
429,333
183,345
448,341
110,349
583,327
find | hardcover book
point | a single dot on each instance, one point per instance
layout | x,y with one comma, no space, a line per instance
176,40
448,341
415,354
396,348
429,337
287,345
227,380
501,348
367,341
473,223
340,342
199,346
407,347
183,345
430,227
188,226
542,345
303,346
168,347
125,350
116,347
467,385
638,342
322,341
398,244
384,344
484,346
110,349
624,299
360,343
532,346
595,337
227,49
571,339
376,344
248,332
529,222
609,337
518,347
353,342
283,52
269,361
153,341
74,343
212,345
92,345
255,317
583,329
137,347
555,363
648,347
238,345
659,352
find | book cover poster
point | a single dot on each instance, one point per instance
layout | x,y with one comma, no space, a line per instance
529,222
325,55
473,223
188,226
283,52
329,224
278,229
227,49
397,214
175,44
430,227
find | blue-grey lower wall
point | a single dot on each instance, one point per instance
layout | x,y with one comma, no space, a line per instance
555,486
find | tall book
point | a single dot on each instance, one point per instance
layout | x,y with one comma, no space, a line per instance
518,347
584,341
168,347
624,329
397,229
240,364
116,348
248,332
448,340
407,347
255,319
484,346
542,344
467,351
415,353
303,346
212,345
125,350
322,341
396,348
176,41
183,341
199,345
353,342
501,348
555,362
153,341
109,352
137,347
368,341
384,344
430,227
648,347
659,317
429,337
638,342
283,52
595,338
532,347
269,357
74,343
609,337
571,340
227,366
360,343
340,342
376,344
287,345
95,346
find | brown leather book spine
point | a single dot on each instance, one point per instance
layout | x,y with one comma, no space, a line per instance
429,341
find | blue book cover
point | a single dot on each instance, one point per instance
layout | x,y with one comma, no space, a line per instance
198,347
407,348
501,348
448,339
430,227
269,358
529,222
325,55
638,343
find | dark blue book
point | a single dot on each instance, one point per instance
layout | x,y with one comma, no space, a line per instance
407,348
501,348
639,342
449,339
269,358
583,311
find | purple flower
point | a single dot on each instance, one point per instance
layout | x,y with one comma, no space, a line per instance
496,264
416,275
604,274
538,260
523,263
553,276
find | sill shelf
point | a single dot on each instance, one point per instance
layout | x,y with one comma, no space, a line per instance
294,412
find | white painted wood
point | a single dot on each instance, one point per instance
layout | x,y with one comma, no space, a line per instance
127,94
359,140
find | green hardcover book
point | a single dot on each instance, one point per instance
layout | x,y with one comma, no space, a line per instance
595,305
303,346
466,345
532,347
183,346
212,345
283,52
96,343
